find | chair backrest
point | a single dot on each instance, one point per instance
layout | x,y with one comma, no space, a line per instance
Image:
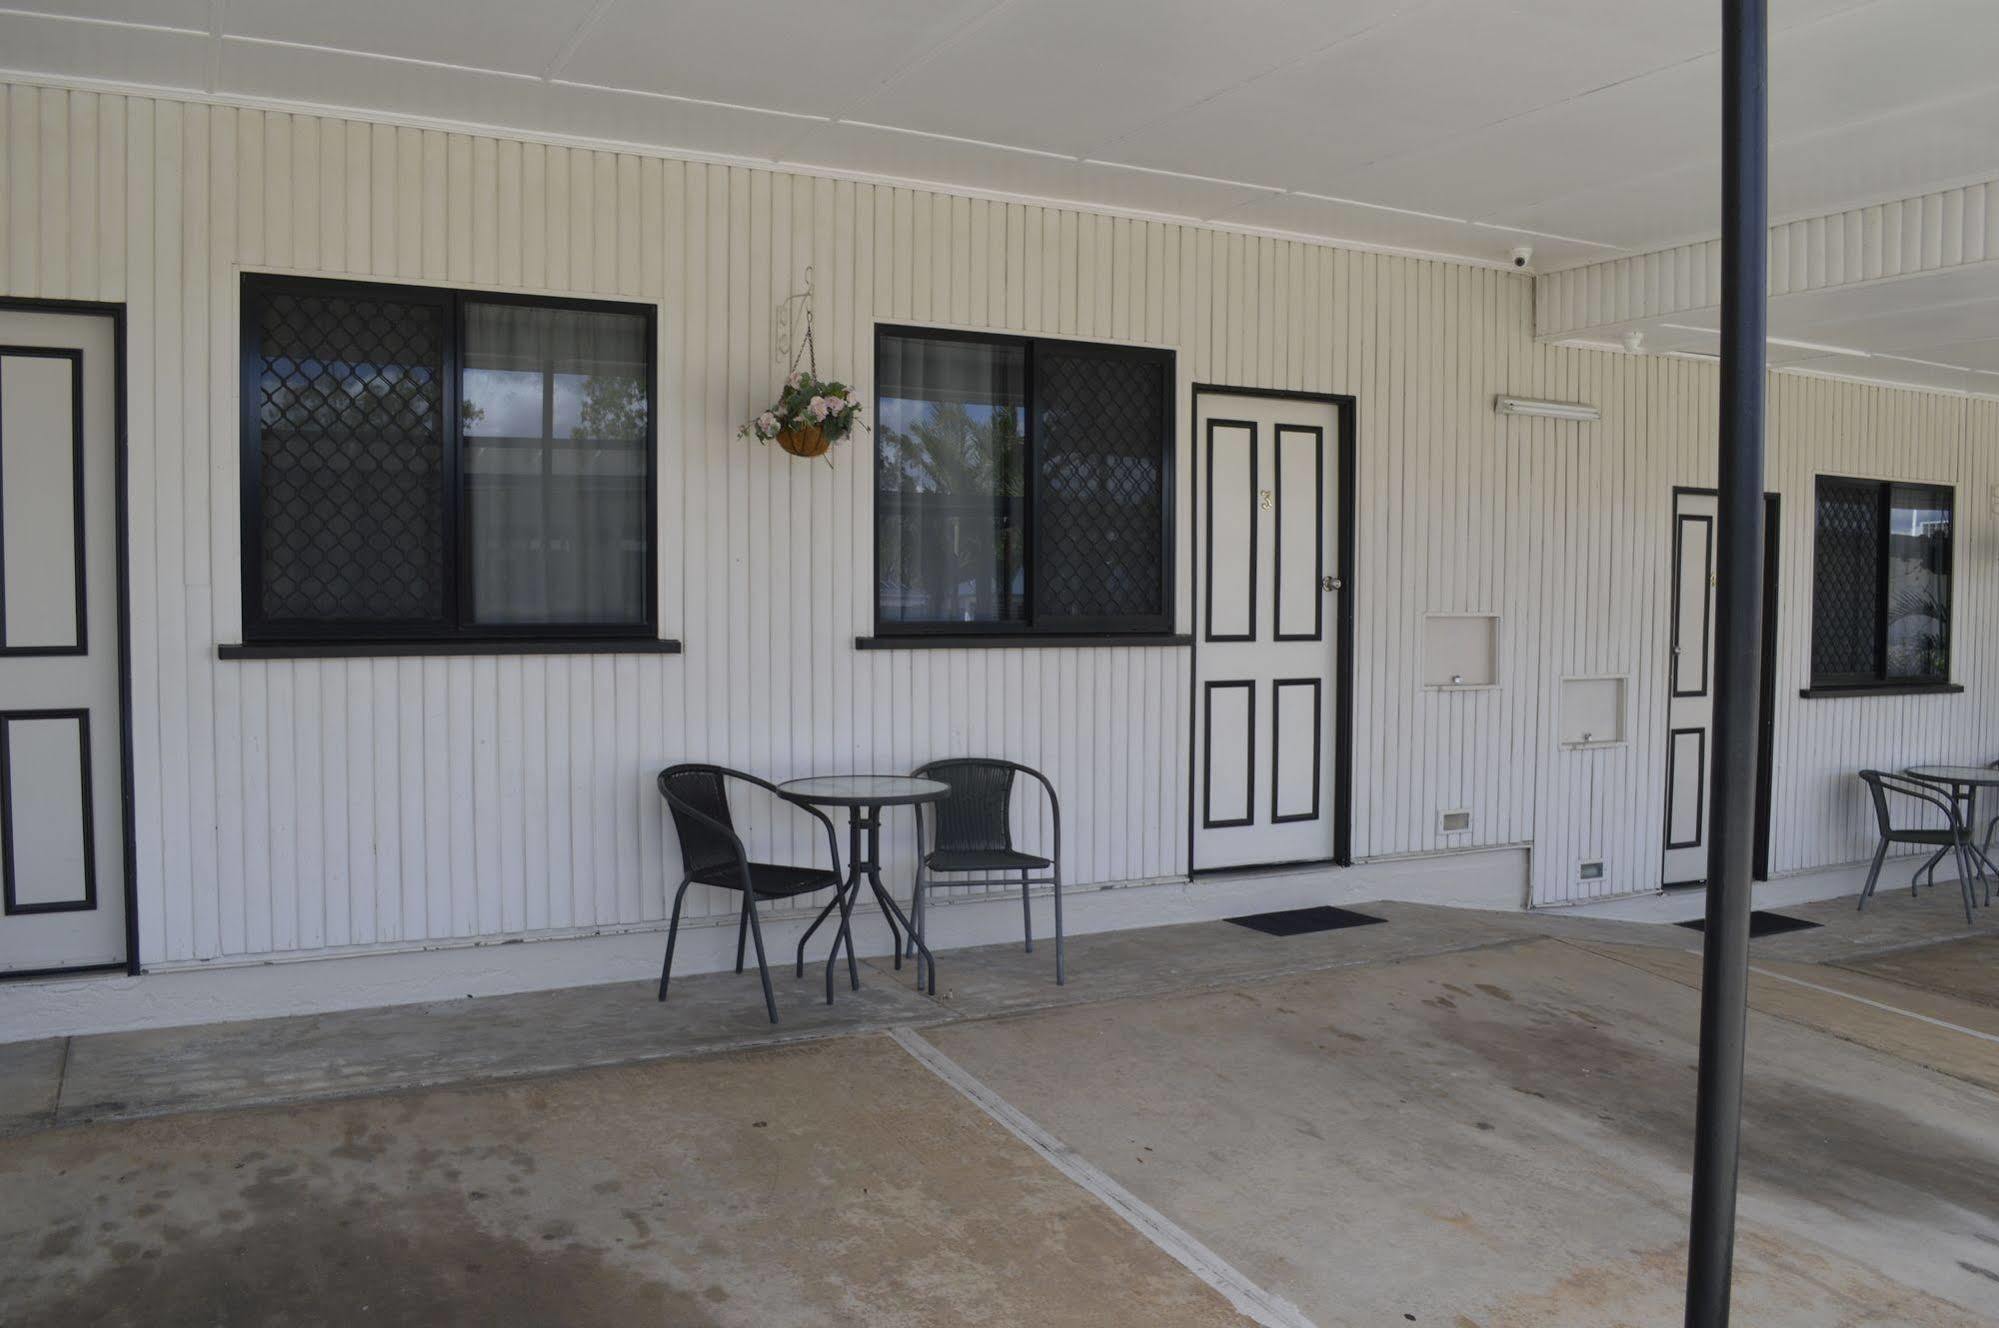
978,814
1880,784
1876,790
699,789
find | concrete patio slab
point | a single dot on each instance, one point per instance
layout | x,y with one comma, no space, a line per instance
999,979
806,1185
1893,920
1967,969
307,1057
1502,1137
1859,1009
122,1075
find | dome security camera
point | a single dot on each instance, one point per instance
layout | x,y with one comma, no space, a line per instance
1523,254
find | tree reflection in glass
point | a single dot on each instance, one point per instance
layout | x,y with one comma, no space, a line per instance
951,482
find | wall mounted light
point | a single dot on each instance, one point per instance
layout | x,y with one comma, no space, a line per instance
1552,410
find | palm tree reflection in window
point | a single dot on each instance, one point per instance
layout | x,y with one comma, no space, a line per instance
951,488
1918,575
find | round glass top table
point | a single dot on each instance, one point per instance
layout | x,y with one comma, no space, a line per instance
1958,776
863,790
864,796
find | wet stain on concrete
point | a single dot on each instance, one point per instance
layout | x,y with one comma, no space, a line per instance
645,1195
1889,1160
346,1265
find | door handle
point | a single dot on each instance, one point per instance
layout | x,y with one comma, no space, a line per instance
1329,583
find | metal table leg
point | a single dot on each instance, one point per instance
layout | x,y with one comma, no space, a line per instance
864,860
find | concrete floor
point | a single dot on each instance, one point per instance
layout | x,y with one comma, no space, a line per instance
1462,1119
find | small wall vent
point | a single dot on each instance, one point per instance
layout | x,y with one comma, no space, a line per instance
1454,823
1590,871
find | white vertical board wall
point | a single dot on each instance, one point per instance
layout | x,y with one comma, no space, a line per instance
288,806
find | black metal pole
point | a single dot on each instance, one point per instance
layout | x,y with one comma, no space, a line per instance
1745,288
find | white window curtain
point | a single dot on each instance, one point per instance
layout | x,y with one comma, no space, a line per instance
553,421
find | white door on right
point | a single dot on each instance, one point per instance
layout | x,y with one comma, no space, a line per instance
1265,673
1690,691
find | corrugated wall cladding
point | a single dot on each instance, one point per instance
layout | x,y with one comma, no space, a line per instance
289,806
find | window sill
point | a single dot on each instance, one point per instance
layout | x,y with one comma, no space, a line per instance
1020,640
393,649
1883,689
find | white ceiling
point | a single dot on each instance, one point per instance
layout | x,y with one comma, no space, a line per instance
1587,128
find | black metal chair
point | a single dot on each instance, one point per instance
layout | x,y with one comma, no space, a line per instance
1950,838
973,832
713,854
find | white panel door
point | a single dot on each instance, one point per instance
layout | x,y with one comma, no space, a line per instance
1265,664
1690,691
61,824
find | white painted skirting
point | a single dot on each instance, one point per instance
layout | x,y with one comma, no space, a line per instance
214,993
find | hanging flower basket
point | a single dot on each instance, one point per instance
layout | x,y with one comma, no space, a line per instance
808,418
808,440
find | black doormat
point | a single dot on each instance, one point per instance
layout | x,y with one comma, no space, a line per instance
1760,924
1297,921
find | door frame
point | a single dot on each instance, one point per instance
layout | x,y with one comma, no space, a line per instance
1347,408
1766,681
121,522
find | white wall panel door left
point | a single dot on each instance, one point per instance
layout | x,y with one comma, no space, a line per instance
61,823
1265,664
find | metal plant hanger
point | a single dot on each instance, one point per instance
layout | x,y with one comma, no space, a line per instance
810,414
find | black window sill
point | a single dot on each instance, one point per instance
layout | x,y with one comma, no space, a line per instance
1019,640
1883,689
392,649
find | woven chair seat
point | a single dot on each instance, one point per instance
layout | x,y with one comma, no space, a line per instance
771,880
983,859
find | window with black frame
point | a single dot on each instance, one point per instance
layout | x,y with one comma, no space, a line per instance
431,465
1881,603
1022,487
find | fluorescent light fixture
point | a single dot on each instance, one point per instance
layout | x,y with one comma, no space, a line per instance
1552,410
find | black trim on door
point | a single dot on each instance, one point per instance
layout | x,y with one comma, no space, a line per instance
87,813
1766,725
1277,686
1208,821
1673,737
81,573
1318,632
1208,547
1347,408
122,531
1680,522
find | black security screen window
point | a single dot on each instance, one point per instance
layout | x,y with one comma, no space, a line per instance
1881,584
1022,486
420,465
1099,421
351,431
